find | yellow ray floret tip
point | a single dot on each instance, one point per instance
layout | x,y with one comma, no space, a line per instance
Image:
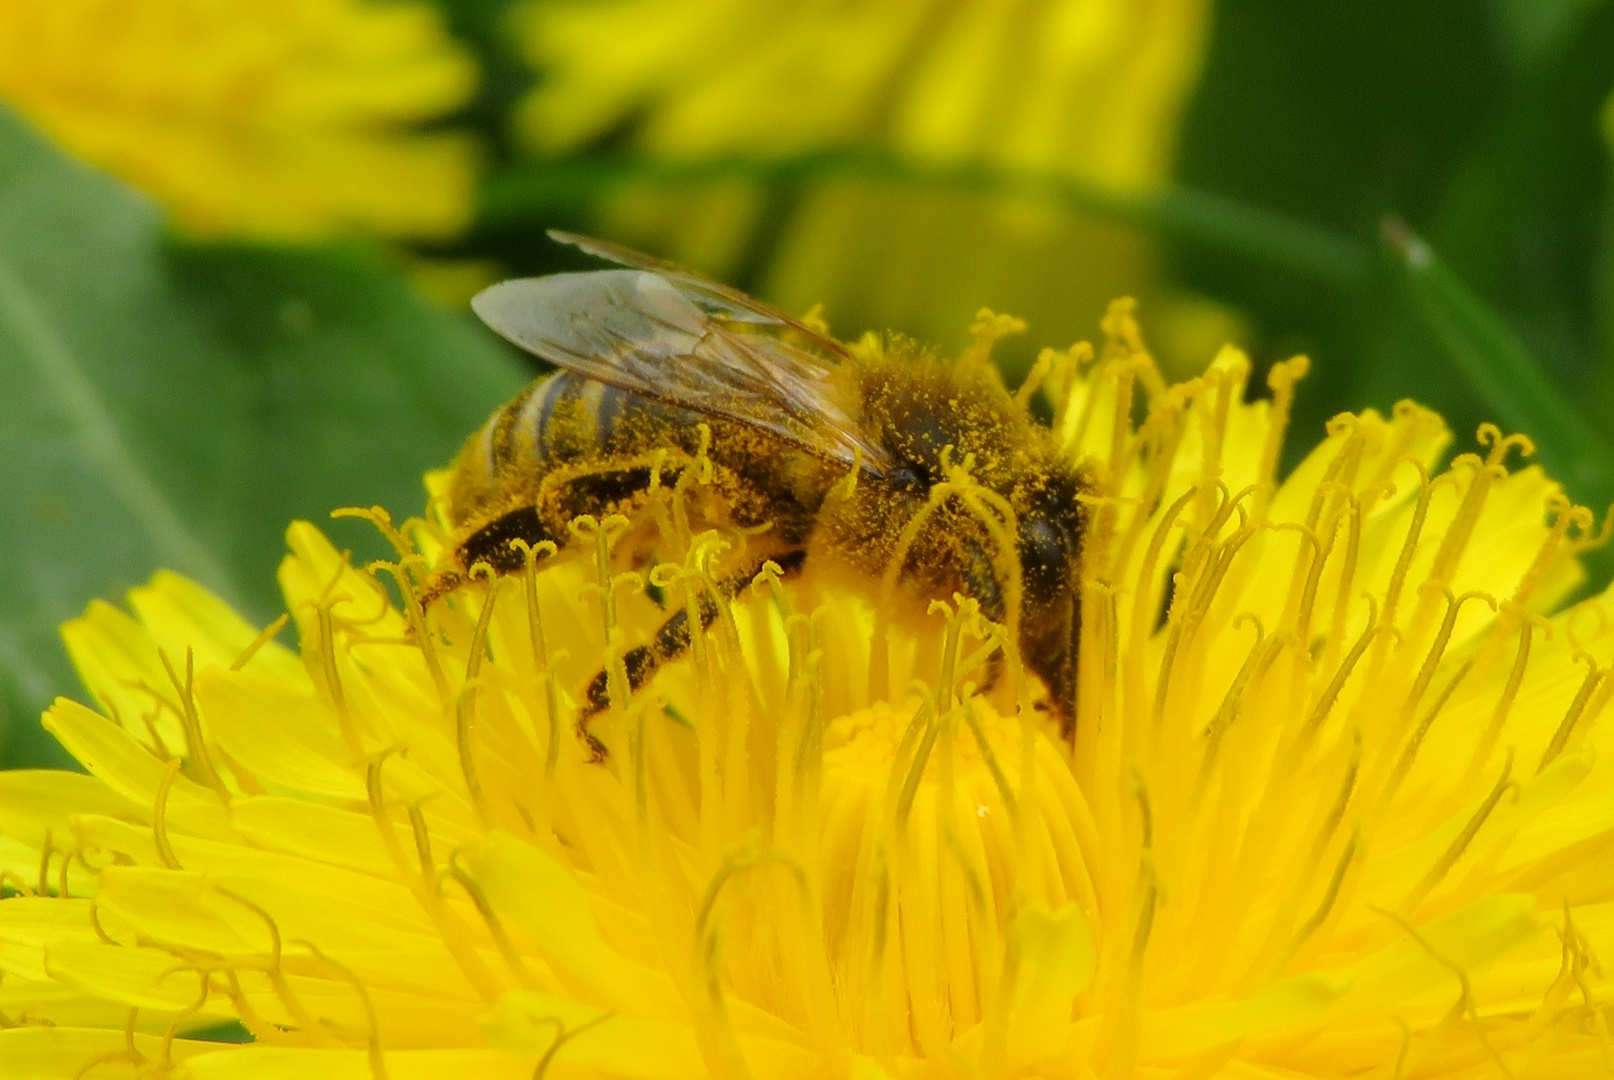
277,120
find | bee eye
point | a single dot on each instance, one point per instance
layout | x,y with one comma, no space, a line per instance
908,478
1043,550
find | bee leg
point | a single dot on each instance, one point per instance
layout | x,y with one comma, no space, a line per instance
438,586
993,672
495,542
639,663
981,579
1049,645
1067,685
492,544
671,641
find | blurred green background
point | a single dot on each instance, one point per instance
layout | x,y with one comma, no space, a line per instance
237,237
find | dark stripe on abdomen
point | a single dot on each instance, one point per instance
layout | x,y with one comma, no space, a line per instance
613,400
564,416
559,386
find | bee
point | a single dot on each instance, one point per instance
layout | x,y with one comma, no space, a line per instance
822,457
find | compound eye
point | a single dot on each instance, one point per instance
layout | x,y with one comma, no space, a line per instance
1042,549
908,478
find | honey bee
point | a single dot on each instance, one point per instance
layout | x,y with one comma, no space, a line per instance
823,457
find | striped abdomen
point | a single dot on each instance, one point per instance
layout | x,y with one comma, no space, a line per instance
569,446
560,419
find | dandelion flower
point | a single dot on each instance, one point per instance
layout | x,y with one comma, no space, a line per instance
279,119
1335,804
1081,89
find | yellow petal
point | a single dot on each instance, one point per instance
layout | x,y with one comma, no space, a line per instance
274,1063
140,978
34,800
65,1053
302,756
1054,952
549,904
529,1023
115,757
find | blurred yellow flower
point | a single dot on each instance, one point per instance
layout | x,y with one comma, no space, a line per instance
1084,89
1339,803
279,119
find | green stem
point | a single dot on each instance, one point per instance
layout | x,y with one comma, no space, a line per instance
1501,370
526,192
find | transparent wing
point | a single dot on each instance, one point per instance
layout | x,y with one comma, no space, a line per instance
648,334
710,296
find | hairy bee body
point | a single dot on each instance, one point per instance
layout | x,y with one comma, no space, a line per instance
685,406
569,446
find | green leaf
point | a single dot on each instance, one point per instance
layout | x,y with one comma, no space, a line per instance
1332,114
168,405
1533,27
1520,218
1502,371
1603,284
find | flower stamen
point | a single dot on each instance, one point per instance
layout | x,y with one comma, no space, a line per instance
1325,906
159,820
423,883
195,746
378,1064
465,709
501,938
1560,738
1466,1005
1471,828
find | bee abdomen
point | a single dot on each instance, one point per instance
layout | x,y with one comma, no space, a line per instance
564,419
560,417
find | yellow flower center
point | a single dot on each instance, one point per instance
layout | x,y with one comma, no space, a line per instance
944,800
1338,800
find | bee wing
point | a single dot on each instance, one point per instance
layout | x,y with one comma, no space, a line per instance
639,331
711,296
